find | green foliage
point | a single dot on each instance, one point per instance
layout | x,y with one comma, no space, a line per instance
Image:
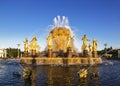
13,52
114,52
101,52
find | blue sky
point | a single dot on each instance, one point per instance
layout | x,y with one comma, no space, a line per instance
99,19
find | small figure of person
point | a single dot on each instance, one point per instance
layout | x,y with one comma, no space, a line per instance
94,45
69,43
50,42
90,50
84,39
26,45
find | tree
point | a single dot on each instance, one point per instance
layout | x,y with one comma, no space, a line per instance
13,52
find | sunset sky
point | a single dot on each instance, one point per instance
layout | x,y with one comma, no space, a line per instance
98,19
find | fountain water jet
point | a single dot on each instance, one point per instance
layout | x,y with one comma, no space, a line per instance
61,48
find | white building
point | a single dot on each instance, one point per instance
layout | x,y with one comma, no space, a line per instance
3,53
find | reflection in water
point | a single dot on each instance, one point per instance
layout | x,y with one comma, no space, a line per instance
29,76
61,76
92,77
103,75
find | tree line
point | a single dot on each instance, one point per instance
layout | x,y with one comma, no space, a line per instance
13,52
110,50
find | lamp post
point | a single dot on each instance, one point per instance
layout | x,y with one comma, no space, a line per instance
18,49
105,48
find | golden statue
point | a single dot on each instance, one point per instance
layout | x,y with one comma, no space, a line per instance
84,46
94,45
69,43
33,43
90,48
26,45
38,48
50,42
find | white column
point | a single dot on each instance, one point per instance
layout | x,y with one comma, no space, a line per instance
118,53
18,49
5,52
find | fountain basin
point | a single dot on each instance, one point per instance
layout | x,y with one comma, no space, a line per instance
60,61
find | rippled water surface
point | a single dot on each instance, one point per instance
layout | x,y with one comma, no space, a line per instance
108,75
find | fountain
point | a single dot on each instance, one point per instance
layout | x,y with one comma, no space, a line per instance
60,48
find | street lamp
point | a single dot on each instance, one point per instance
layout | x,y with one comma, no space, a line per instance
18,49
105,48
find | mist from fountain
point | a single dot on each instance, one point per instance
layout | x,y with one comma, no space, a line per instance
63,22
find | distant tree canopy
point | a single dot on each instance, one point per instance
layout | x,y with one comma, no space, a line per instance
110,50
13,52
105,50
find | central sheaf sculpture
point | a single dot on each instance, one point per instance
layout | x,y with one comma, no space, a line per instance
60,40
